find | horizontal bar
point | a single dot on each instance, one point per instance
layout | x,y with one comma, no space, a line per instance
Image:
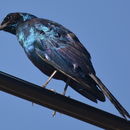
60,103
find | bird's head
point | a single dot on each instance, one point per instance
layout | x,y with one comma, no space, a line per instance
12,20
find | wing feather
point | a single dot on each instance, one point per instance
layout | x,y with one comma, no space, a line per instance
61,49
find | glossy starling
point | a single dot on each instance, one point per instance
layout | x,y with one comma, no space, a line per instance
58,53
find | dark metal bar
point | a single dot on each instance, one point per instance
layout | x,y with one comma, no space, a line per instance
60,103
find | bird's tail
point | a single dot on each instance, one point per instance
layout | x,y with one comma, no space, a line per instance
108,94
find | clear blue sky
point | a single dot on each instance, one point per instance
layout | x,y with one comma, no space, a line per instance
104,29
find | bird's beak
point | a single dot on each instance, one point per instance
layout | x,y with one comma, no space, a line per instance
3,26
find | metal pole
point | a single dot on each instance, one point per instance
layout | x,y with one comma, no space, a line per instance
60,103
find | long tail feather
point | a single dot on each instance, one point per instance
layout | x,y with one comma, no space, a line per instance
114,101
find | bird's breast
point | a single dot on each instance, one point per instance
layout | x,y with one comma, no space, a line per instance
26,39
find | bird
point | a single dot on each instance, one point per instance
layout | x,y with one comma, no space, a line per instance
59,54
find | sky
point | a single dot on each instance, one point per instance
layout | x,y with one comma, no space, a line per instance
103,27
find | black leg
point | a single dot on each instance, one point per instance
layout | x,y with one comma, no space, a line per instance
65,89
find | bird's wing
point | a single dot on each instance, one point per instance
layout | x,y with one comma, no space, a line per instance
61,48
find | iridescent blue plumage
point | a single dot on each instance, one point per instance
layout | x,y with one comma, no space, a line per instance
41,38
50,46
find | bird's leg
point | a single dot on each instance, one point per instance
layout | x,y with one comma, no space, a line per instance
48,80
64,92
65,89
